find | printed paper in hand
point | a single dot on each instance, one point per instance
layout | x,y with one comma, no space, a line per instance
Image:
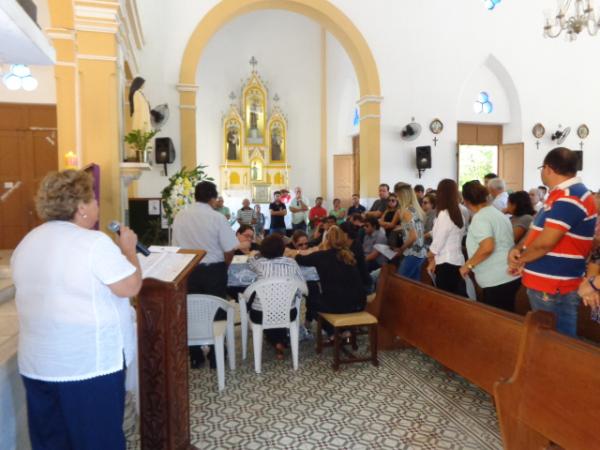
385,250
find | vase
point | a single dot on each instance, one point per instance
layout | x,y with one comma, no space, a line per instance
143,156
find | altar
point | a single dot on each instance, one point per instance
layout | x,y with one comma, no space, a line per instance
254,143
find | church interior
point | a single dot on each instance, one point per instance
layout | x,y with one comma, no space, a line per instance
336,97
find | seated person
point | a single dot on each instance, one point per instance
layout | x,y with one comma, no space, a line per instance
272,263
341,284
299,240
245,233
356,248
321,231
358,221
373,235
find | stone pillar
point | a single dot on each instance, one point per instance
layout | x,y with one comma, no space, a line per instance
370,139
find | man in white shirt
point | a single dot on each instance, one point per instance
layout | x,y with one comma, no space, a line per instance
299,209
201,227
497,189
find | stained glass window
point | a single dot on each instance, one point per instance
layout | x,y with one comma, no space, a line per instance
483,104
491,4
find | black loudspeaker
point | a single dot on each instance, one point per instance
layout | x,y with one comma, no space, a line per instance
423,158
165,151
579,154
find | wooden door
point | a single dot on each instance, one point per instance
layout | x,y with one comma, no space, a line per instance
14,214
510,165
343,178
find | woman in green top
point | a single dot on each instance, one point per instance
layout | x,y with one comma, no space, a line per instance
338,212
489,239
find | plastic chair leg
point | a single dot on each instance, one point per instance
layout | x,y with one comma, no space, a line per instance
257,335
294,342
244,329
220,360
230,342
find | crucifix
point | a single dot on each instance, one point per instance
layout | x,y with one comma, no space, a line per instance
232,97
253,62
537,144
581,145
435,141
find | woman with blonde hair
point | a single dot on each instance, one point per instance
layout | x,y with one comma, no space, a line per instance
76,324
409,218
342,289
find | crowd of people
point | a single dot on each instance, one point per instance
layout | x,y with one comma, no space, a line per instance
75,344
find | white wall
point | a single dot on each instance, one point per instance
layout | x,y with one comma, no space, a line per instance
342,95
425,52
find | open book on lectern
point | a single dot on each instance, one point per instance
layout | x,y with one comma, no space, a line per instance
164,266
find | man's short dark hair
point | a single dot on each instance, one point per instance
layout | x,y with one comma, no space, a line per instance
276,193
385,185
489,176
474,192
357,216
562,161
272,246
373,222
319,198
355,195
205,192
331,219
419,188
350,230
543,188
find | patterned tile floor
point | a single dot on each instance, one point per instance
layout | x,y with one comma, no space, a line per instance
408,402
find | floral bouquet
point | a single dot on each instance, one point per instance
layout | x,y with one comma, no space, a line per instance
179,193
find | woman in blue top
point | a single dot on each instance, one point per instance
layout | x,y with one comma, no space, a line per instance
489,239
409,217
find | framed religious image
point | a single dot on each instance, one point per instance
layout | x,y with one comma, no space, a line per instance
583,131
232,136
255,108
260,193
277,136
436,126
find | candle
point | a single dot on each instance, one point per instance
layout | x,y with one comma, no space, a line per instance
71,160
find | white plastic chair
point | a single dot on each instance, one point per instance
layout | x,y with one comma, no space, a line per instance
204,330
276,298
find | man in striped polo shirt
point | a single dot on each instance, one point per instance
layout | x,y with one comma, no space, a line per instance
553,256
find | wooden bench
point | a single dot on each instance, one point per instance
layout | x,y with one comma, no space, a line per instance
476,341
553,392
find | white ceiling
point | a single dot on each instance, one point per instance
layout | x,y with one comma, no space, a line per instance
21,40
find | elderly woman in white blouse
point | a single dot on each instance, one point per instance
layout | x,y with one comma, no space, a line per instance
76,324
445,252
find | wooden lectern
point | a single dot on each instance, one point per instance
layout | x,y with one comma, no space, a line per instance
163,362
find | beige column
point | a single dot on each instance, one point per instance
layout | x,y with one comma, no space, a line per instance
187,115
370,139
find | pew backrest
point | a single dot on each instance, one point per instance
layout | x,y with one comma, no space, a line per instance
478,342
554,392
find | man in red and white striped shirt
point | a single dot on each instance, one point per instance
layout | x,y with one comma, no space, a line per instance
553,256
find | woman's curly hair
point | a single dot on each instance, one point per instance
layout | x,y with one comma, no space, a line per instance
61,193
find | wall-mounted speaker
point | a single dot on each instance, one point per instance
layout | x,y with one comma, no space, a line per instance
165,151
424,157
579,154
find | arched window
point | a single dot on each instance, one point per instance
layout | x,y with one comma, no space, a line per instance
483,104
356,119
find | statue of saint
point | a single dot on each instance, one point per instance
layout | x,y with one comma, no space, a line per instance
254,172
233,141
254,116
276,141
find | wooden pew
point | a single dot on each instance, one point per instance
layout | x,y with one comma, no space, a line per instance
553,392
478,342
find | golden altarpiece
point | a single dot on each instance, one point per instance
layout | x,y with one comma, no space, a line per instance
254,143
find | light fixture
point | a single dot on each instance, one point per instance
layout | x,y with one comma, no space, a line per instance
582,16
29,83
19,76
11,81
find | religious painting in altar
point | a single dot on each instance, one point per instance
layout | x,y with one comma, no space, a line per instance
232,136
254,140
255,106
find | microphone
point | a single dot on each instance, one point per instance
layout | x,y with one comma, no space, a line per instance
115,227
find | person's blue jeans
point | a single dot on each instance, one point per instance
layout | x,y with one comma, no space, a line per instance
565,307
410,267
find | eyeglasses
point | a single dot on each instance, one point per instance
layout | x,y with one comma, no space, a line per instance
542,166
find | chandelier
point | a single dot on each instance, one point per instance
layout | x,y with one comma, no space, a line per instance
582,17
